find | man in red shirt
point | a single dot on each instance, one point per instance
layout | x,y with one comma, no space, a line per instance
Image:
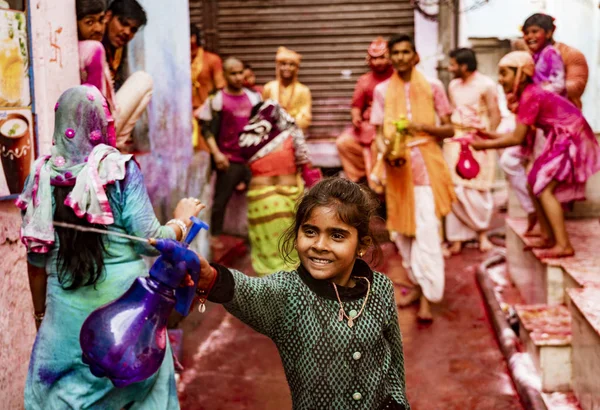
354,144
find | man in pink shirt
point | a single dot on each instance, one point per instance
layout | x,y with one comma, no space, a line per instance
222,118
354,144
474,99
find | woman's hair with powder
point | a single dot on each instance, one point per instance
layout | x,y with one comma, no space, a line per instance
356,206
80,254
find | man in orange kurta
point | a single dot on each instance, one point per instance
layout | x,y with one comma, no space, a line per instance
207,78
419,189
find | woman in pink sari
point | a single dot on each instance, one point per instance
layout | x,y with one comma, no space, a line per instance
569,157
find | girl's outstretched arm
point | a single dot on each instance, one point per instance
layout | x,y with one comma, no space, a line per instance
394,338
497,140
258,302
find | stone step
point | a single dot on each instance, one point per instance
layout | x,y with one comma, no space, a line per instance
560,401
545,332
544,281
584,307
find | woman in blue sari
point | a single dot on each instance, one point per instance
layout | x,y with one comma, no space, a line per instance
86,181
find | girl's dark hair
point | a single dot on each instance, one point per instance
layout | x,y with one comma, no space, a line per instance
356,206
465,56
540,19
80,254
129,9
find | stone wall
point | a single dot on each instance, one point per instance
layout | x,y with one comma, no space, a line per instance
16,321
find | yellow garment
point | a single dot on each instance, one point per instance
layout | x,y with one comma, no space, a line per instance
197,66
270,213
400,195
285,54
295,99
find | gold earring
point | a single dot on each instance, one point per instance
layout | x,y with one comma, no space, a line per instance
360,254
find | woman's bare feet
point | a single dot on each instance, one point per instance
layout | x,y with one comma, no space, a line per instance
531,222
408,296
534,233
539,243
424,314
556,252
484,243
455,247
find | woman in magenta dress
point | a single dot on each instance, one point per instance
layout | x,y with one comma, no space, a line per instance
569,157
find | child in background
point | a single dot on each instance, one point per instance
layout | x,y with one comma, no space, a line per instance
570,156
549,66
333,319
250,79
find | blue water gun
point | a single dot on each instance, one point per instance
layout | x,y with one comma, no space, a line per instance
125,340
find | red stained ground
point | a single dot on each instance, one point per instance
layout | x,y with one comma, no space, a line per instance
453,363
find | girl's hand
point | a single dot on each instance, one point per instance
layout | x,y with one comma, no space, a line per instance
478,143
186,208
221,161
207,273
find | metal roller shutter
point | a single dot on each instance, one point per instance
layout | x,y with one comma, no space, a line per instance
331,35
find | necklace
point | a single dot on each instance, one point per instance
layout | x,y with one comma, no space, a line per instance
342,313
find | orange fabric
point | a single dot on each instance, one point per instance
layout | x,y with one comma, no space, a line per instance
279,162
357,159
207,76
576,72
400,197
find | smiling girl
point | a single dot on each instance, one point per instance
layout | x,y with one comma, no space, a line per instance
549,66
333,319
569,157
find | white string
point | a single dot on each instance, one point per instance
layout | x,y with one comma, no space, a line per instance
96,230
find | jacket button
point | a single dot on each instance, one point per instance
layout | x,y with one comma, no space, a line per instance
356,355
357,396
353,313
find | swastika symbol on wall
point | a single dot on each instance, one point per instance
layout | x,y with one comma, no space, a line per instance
57,50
